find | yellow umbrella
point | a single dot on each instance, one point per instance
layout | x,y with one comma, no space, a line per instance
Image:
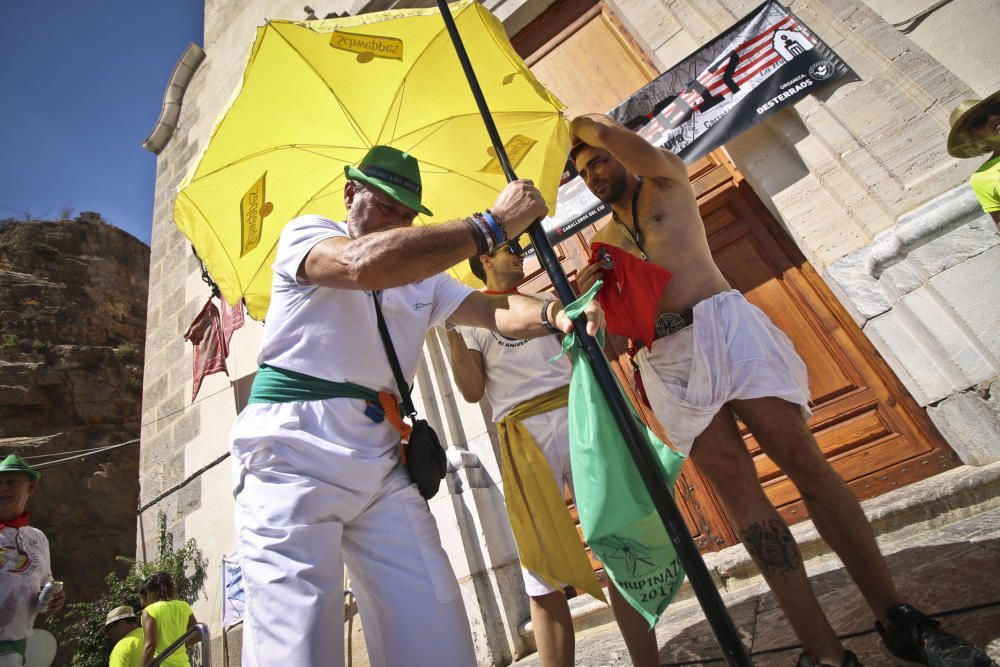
316,95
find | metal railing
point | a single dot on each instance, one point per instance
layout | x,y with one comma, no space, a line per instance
206,650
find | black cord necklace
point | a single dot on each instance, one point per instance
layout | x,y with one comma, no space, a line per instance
635,233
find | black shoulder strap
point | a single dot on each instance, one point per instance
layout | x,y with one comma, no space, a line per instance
390,351
637,233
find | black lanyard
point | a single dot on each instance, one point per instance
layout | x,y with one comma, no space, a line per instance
635,233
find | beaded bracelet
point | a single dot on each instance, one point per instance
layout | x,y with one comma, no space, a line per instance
484,229
499,233
545,317
482,248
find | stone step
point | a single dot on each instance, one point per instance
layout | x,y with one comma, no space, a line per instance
926,505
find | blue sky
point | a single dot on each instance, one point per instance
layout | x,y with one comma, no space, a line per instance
81,86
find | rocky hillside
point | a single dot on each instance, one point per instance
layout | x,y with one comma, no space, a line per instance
72,328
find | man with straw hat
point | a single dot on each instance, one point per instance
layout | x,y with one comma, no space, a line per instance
975,130
122,627
24,561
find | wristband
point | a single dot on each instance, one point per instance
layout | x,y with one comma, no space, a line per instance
545,317
477,235
503,230
484,229
499,233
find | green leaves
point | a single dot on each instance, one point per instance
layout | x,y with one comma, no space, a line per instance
81,626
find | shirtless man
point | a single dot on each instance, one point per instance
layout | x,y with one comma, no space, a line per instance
747,368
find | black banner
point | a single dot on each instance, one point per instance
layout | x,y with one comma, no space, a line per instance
765,62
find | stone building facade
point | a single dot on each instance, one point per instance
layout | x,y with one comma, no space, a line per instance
858,178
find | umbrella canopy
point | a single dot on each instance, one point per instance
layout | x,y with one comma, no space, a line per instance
316,95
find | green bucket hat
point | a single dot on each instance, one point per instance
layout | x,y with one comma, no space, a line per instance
15,463
393,172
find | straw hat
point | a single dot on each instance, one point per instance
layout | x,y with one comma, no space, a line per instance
960,144
118,614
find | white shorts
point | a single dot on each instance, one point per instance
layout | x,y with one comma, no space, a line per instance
305,506
731,352
551,433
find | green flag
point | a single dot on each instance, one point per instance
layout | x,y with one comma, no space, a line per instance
619,521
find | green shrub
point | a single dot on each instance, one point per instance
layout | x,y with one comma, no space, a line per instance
81,625
9,340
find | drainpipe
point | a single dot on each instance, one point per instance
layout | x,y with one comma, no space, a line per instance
172,98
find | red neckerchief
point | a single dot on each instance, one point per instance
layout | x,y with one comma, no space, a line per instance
512,290
20,521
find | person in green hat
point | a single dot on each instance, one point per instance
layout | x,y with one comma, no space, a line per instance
319,478
975,130
24,561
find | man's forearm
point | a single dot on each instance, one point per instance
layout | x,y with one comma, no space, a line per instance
522,318
407,254
466,368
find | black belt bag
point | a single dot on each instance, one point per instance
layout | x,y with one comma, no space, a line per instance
423,454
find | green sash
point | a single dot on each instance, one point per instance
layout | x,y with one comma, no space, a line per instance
277,385
13,646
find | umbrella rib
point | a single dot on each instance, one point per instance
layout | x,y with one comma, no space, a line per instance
402,82
460,174
217,238
264,263
470,114
272,149
357,129
297,214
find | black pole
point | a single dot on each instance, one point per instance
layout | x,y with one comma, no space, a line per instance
734,652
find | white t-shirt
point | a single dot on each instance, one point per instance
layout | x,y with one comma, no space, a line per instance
332,333
517,370
24,570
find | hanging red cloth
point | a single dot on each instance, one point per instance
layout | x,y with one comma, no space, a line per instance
205,334
631,292
232,319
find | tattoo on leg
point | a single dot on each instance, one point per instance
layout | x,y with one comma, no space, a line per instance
770,543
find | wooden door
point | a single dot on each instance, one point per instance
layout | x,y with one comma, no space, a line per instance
866,423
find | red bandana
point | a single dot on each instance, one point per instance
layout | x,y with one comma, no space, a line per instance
20,521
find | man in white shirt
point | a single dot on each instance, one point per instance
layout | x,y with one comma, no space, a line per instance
525,389
25,566
317,466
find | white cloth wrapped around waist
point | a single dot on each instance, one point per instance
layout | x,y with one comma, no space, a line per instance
731,352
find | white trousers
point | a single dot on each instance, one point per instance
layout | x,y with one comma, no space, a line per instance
307,505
